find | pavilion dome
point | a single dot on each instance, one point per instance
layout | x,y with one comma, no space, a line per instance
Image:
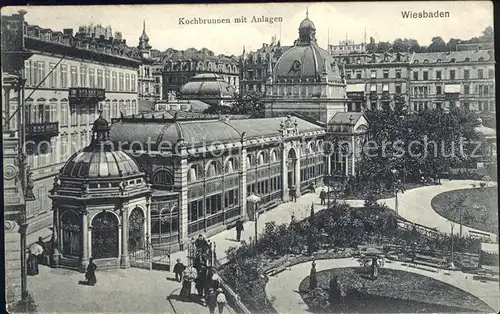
99,160
306,24
207,85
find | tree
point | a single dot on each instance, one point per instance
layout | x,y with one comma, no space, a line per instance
452,44
437,45
383,46
488,34
249,103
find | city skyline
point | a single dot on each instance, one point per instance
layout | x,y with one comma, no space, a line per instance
338,21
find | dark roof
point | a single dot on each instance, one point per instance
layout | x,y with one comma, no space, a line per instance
92,164
446,57
200,132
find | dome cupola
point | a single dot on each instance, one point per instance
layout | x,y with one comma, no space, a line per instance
307,31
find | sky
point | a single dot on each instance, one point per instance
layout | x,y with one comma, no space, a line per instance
334,22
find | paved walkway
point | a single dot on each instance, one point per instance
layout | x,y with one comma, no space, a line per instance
288,300
415,205
130,290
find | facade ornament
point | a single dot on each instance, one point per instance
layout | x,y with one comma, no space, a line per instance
122,187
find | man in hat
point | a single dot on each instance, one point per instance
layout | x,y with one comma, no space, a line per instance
221,300
179,270
211,300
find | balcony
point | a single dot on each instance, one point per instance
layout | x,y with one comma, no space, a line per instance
42,130
85,95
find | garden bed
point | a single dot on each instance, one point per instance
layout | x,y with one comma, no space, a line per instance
482,203
393,292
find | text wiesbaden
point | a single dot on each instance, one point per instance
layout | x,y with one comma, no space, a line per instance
425,14
243,19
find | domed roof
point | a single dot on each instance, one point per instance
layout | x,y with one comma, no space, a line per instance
307,24
92,164
306,62
207,86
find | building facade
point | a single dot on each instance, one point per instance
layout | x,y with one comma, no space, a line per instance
306,80
346,47
68,79
374,80
456,78
180,66
255,68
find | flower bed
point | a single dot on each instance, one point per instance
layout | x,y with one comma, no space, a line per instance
393,291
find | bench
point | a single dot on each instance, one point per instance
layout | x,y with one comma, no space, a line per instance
279,269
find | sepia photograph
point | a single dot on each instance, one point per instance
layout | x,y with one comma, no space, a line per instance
307,157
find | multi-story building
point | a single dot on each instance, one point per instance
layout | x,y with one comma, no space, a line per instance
456,78
347,47
144,77
180,66
254,65
69,78
374,80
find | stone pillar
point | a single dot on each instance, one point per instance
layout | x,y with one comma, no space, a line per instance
124,258
89,246
284,173
329,163
243,182
56,234
181,185
353,155
297,170
12,245
85,240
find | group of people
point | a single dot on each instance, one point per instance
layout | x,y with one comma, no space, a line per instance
203,275
37,256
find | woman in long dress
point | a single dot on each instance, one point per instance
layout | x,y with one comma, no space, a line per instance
32,264
187,281
90,274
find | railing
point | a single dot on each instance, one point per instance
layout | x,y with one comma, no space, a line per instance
43,129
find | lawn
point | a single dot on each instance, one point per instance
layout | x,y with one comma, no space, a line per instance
393,292
483,203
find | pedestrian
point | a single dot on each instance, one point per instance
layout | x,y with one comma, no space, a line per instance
179,270
313,281
295,195
90,274
312,187
211,300
322,196
239,229
221,300
40,257
32,264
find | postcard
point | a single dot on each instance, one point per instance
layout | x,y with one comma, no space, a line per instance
307,157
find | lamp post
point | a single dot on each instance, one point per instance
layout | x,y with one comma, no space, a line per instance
395,173
452,225
254,200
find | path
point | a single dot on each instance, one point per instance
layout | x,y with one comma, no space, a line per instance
288,300
415,205
130,290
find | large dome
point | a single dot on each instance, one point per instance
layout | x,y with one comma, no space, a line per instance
207,86
306,62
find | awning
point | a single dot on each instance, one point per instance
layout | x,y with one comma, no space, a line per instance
452,89
490,248
355,88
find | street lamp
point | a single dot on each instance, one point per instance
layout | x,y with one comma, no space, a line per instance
254,200
395,173
452,225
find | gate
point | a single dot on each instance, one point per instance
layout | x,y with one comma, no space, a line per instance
161,258
140,254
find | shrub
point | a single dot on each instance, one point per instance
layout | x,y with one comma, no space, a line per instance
318,299
28,306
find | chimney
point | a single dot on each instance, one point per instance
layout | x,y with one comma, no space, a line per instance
68,32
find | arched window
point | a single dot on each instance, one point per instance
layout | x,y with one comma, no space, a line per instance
163,177
192,174
71,234
260,159
274,156
105,235
211,170
229,167
136,229
164,222
249,161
